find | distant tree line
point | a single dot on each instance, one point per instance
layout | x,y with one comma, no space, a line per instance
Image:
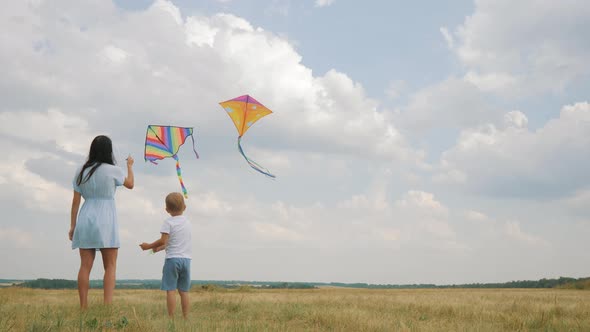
582,283
542,283
562,282
288,285
72,284
213,285
50,284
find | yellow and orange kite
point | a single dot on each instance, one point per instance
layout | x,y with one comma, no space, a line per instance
244,111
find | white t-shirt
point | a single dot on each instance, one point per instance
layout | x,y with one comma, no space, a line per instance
179,242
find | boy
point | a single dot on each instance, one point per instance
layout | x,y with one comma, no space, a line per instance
176,239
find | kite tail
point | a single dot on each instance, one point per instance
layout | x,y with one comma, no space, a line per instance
180,176
252,163
196,154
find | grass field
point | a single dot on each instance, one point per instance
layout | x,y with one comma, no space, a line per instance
326,309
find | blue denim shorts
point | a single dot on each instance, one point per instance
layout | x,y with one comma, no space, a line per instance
176,274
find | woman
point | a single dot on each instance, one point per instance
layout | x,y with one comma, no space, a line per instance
95,227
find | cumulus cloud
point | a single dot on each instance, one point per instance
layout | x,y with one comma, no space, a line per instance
513,230
16,238
176,69
511,49
515,119
516,161
41,159
276,232
323,3
448,37
46,126
476,216
422,201
578,204
452,103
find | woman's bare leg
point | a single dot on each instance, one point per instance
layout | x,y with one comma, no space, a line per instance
109,261
86,262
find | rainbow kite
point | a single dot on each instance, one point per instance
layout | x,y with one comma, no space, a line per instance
165,141
244,111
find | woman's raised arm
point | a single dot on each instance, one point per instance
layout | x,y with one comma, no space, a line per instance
129,180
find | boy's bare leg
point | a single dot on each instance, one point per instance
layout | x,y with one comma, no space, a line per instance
109,261
170,303
184,303
86,262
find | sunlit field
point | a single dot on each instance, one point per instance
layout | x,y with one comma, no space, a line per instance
325,309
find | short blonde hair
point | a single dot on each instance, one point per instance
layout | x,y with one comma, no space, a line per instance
175,203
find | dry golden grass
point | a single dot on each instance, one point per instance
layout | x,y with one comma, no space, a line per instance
326,309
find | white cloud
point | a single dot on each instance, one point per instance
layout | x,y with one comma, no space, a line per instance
52,125
210,204
476,216
276,232
199,33
493,81
515,161
114,54
422,201
175,58
511,49
448,37
389,234
448,175
513,230
578,203
16,238
452,103
323,3
169,8
515,119
425,216
38,141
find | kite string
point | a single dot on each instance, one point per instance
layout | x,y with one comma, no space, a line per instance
178,172
252,163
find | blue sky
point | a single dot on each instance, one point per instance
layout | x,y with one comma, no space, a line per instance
435,142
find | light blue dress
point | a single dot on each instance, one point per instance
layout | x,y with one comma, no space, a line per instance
96,226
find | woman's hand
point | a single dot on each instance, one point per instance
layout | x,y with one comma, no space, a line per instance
129,161
129,180
71,233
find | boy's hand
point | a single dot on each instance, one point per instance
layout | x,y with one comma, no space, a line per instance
144,246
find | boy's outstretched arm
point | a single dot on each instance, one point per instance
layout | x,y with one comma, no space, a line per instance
158,244
160,248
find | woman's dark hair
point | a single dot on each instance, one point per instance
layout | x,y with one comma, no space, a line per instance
101,152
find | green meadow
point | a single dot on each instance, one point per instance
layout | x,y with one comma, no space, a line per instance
322,309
